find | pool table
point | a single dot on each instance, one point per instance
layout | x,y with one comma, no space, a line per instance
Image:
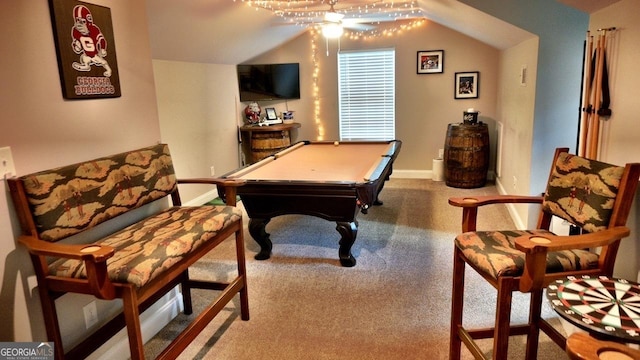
327,179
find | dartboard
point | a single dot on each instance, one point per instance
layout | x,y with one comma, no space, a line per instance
608,306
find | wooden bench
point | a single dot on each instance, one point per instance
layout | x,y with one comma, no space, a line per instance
139,263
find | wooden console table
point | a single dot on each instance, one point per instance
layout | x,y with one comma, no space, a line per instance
259,142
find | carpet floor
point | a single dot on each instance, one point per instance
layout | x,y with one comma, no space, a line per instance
394,304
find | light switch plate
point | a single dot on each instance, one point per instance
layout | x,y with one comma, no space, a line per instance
7,167
90,314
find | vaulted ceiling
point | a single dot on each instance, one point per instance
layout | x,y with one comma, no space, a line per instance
230,32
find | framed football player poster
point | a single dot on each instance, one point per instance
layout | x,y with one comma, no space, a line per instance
86,50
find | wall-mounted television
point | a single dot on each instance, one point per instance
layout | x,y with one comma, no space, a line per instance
262,82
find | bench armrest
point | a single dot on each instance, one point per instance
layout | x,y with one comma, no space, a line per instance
536,248
94,257
91,252
229,186
213,181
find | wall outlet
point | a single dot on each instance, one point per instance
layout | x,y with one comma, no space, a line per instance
515,182
213,171
90,314
7,167
440,153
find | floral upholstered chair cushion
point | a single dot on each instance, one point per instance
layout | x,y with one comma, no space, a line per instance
581,191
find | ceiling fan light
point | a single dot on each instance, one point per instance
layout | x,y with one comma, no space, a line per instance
332,31
332,16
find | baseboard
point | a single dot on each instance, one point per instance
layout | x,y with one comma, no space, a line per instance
425,174
511,208
412,174
397,174
500,187
151,321
202,199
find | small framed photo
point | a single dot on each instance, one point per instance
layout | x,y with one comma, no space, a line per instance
271,113
430,61
467,85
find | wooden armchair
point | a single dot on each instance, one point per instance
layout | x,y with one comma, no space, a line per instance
593,196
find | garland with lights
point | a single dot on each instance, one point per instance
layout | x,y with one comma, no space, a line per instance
385,32
316,88
304,12
298,12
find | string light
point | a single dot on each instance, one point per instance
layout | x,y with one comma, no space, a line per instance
304,12
316,88
394,30
307,12
310,13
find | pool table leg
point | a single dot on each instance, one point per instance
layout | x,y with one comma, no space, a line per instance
257,229
348,231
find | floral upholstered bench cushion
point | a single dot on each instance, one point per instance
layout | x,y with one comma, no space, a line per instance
73,198
146,248
68,200
495,253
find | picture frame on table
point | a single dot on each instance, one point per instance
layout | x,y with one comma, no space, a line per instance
271,113
430,62
467,85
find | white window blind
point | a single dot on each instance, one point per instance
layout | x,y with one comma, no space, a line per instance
366,90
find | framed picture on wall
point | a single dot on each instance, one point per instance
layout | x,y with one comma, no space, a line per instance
86,50
430,61
467,85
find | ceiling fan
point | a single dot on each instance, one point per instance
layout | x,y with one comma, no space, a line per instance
334,23
331,22
359,16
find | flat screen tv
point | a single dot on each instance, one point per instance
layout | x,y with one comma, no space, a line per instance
262,82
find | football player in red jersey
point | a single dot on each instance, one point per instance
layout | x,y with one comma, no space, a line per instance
88,42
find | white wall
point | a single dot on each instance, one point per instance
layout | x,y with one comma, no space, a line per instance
516,103
561,30
557,91
425,103
44,131
621,133
198,118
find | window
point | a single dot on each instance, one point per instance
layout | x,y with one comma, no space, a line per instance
366,94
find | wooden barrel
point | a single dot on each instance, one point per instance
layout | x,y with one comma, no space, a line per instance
266,143
466,155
